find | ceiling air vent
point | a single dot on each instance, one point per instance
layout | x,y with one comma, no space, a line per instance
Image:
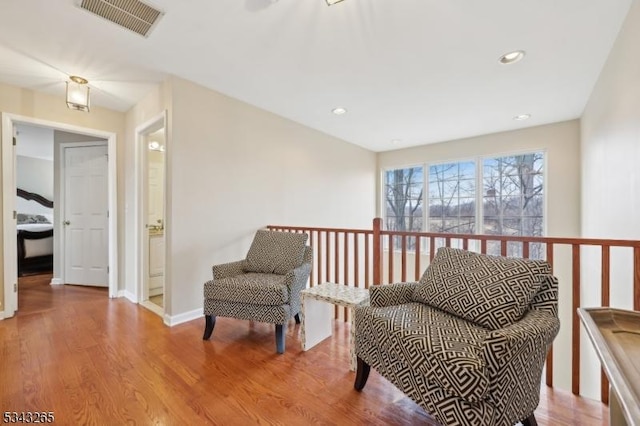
133,15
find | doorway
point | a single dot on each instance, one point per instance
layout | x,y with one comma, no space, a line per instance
9,213
151,148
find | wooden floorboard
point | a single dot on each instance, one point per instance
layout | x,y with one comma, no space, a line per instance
96,361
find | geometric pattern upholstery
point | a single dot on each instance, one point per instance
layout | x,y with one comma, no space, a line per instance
491,291
459,371
262,297
274,252
260,289
446,348
273,298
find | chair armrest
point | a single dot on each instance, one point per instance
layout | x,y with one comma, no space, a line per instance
226,270
515,356
297,281
391,294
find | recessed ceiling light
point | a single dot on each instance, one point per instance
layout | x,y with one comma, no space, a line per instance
395,141
512,57
339,110
522,117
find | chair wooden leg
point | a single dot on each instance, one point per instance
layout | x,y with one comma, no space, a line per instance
210,322
280,338
362,374
297,318
530,421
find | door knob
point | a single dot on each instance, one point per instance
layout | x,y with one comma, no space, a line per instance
66,222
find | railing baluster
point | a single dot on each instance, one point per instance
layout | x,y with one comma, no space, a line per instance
327,248
605,295
377,251
345,243
432,248
418,255
367,283
636,278
313,269
391,262
404,259
549,369
356,260
575,331
336,266
483,246
525,250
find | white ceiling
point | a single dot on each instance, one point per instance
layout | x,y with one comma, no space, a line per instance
417,71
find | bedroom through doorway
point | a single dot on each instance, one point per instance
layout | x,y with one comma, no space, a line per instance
53,190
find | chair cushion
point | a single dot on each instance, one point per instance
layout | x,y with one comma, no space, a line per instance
492,291
274,252
444,348
250,288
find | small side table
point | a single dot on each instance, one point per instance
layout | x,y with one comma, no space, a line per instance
317,313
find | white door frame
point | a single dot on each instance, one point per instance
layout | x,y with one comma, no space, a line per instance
141,252
61,190
10,257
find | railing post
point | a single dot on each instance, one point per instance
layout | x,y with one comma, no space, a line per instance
377,251
636,278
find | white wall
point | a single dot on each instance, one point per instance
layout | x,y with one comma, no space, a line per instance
233,168
35,175
610,129
561,141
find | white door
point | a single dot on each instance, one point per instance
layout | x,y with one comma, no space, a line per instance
85,218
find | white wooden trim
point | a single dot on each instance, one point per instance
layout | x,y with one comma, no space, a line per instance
8,198
172,320
56,281
10,248
141,249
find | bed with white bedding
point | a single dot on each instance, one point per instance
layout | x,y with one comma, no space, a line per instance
35,233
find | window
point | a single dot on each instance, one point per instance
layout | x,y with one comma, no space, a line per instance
491,195
403,199
513,197
452,198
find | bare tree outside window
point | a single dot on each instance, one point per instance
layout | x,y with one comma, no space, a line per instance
403,195
513,198
452,198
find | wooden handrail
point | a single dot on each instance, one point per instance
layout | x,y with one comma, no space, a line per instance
346,263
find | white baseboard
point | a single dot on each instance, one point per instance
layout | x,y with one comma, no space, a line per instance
128,295
1,315
172,320
56,281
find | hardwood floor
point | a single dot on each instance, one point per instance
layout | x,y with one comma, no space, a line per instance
92,360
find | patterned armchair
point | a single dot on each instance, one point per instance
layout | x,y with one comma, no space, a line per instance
264,287
468,341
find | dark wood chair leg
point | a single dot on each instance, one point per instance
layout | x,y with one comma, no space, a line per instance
280,338
297,318
210,322
530,421
362,374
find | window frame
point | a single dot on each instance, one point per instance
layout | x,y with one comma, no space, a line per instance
479,173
